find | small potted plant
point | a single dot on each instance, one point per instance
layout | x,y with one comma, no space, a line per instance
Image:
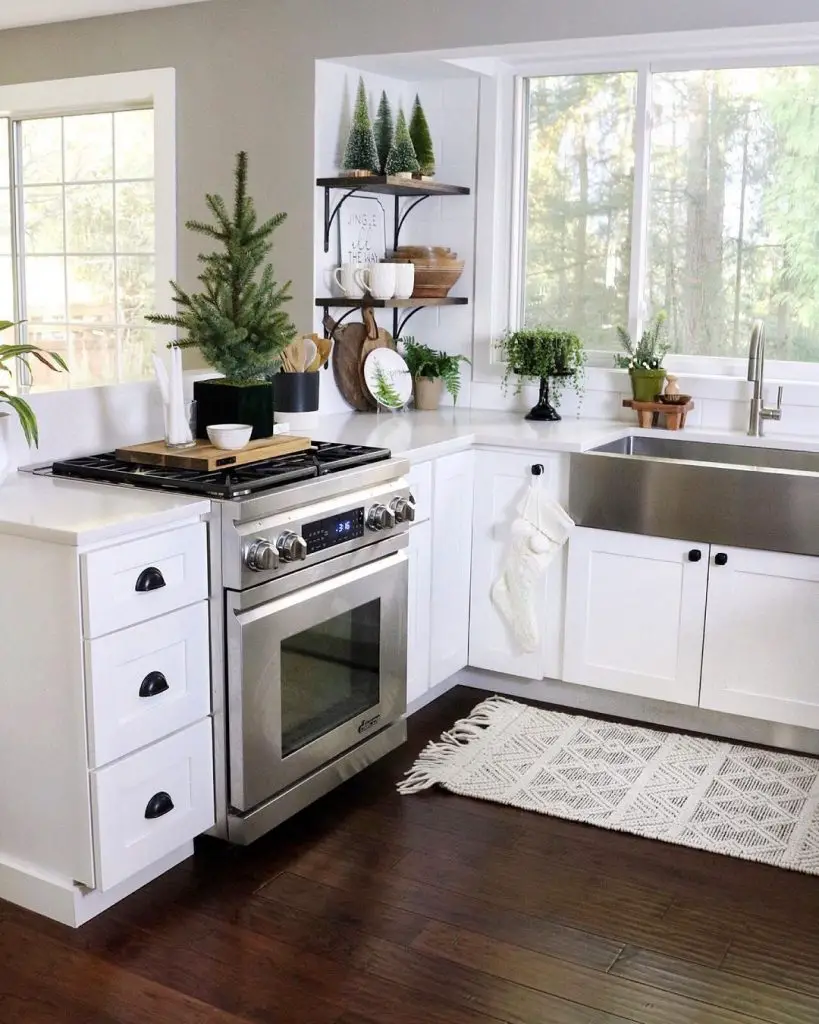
548,356
644,361
25,414
236,321
432,372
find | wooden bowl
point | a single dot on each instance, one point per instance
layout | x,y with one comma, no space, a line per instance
424,253
436,282
674,399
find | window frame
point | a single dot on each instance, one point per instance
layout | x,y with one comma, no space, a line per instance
645,55
155,88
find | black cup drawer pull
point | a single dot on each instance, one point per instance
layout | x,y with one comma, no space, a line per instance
720,558
149,579
159,804
694,555
153,684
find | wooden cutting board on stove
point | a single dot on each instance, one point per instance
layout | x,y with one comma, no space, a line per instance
205,457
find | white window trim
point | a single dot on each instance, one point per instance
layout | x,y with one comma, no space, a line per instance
155,87
501,178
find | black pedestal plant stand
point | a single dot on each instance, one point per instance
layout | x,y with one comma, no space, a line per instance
544,410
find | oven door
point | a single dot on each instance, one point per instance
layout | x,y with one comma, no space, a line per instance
313,670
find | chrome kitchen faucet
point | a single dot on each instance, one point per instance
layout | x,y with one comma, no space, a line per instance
756,373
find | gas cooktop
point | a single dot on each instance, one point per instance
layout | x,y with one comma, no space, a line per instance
321,458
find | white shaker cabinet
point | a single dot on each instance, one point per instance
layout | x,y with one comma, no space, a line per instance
762,636
418,617
502,479
635,614
453,480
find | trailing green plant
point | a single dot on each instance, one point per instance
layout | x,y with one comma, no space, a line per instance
544,354
55,362
424,361
385,391
649,352
236,321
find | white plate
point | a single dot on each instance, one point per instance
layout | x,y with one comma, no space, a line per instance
388,378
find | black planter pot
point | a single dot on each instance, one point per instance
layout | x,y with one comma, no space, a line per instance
220,402
296,392
544,410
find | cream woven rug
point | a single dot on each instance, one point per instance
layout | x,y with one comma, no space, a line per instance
742,801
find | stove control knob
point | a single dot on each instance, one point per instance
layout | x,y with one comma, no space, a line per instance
292,547
404,509
261,556
380,518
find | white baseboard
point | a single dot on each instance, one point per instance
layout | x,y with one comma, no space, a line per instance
432,694
641,709
71,904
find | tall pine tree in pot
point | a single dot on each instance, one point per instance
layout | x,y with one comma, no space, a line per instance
360,154
236,320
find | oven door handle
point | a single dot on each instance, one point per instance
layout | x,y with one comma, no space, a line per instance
260,608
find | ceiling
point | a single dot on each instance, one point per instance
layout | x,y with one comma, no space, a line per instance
14,13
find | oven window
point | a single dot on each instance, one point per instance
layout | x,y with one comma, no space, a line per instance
330,674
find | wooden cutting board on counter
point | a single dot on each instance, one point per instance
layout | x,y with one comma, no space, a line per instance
205,457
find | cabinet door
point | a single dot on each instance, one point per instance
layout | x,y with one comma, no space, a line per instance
453,479
418,621
762,636
635,614
501,480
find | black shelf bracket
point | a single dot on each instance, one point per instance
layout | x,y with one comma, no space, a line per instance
339,322
398,326
330,217
401,217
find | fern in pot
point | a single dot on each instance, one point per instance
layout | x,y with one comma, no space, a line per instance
24,412
554,358
644,361
431,372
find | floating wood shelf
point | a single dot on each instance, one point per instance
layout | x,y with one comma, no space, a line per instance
385,184
413,305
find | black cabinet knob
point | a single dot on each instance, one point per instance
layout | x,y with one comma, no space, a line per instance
694,555
159,804
149,579
153,684
720,558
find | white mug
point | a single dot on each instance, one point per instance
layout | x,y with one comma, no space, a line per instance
378,279
404,280
345,278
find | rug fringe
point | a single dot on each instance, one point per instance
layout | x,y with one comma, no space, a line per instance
431,767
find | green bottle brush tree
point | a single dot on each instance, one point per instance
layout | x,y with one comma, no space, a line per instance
422,139
384,132
236,321
402,159
361,153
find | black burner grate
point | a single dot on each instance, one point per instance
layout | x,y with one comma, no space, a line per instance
236,482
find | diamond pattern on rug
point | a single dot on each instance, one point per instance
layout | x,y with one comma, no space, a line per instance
731,799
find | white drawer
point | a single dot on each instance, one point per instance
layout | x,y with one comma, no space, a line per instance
146,682
420,481
151,803
144,578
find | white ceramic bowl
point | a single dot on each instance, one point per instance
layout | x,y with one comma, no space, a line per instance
229,436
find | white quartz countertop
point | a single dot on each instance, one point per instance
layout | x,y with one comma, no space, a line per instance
84,513
419,436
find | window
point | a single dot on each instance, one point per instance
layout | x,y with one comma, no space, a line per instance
85,246
727,231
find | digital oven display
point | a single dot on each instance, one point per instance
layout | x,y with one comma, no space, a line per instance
325,533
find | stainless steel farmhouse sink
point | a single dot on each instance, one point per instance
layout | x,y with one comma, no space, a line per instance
739,495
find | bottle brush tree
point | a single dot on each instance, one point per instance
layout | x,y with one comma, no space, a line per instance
361,153
236,320
383,129
422,138
402,158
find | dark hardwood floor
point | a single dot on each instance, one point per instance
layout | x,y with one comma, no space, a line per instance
431,909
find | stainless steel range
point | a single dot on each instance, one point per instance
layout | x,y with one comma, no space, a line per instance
308,620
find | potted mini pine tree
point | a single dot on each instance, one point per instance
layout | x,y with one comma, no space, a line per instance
422,139
360,153
236,321
644,361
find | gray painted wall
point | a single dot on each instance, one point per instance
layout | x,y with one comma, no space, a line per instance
245,75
